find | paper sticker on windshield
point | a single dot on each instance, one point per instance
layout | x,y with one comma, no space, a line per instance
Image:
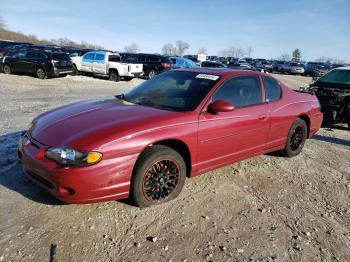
210,77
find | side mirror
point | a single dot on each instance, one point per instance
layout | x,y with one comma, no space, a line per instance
220,106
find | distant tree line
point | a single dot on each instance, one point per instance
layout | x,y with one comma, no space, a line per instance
20,37
179,48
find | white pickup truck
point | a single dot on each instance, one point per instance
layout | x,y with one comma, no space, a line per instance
106,64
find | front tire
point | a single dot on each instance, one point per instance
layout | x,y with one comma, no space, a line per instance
7,69
40,73
159,176
296,138
114,76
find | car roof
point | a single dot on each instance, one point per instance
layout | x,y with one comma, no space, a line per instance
342,68
218,71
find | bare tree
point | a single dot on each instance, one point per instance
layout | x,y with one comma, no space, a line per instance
249,51
284,57
181,47
132,48
330,60
240,52
2,23
168,49
228,52
233,51
202,50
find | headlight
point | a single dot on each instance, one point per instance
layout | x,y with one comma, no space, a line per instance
67,156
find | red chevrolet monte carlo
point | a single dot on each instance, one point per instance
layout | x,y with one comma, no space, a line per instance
181,123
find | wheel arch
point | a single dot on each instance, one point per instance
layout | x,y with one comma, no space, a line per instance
113,69
180,147
307,120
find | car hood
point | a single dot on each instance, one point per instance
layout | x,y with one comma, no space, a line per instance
88,124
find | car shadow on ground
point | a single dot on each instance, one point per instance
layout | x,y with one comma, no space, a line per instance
12,176
333,140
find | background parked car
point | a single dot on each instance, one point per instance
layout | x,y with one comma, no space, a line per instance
180,62
73,52
194,58
333,93
212,64
106,64
292,68
277,65
41,63
316,69
152,64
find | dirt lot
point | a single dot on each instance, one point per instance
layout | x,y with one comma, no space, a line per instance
267,208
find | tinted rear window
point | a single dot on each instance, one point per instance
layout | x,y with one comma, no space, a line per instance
114,58
272,89
60,56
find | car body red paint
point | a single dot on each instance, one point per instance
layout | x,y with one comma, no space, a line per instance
121,132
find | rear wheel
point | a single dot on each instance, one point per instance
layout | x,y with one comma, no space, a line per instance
114,76
296,138
7,69
40,73
151,74
158,177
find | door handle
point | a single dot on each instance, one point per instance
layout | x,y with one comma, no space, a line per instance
262,117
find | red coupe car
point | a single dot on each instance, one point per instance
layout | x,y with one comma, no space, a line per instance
182,123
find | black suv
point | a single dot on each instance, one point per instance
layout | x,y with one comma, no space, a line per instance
152,64
316,69
39,62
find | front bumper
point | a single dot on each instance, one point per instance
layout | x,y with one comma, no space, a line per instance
105,181
297,71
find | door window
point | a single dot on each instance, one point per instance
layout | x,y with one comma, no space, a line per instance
142,58
19,55
99,57
30,55
240,91
154,59
88,56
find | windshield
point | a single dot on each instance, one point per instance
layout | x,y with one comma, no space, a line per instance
337,76
173,90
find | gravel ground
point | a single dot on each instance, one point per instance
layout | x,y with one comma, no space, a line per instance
267,208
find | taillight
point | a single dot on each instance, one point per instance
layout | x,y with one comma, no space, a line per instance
165,65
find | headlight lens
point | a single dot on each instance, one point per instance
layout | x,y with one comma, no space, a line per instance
67,156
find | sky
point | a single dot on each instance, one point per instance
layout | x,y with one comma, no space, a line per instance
272,27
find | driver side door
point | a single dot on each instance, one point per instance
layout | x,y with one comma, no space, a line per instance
227,137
